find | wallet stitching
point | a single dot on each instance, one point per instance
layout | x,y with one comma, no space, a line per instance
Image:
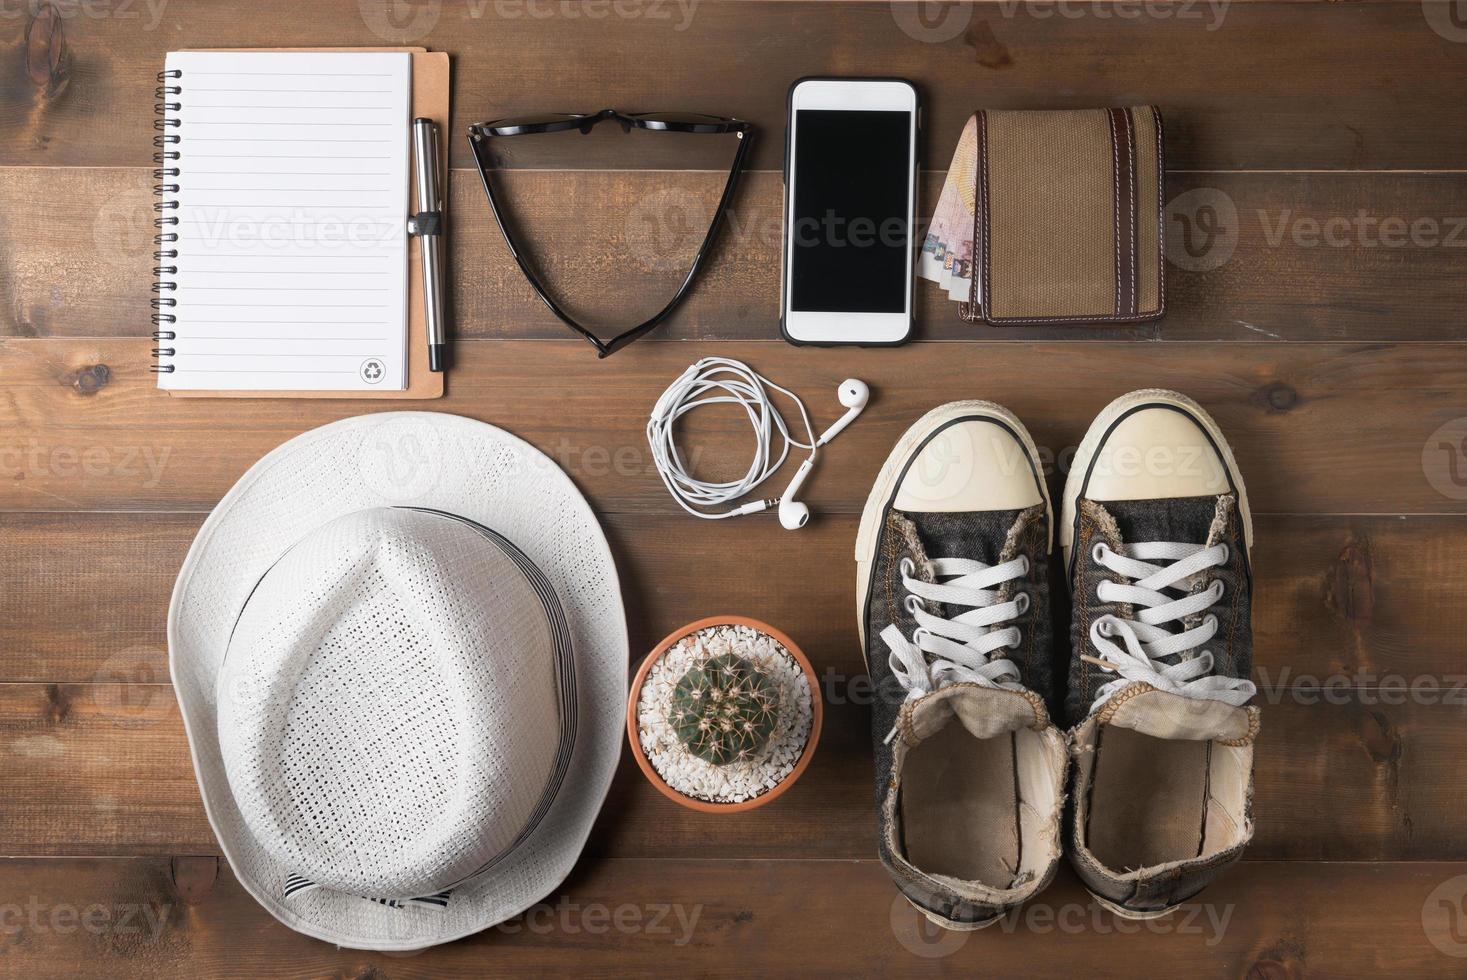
1160,215
1115,201
984,220
1125,117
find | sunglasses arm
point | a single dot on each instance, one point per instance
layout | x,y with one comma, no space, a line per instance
606,348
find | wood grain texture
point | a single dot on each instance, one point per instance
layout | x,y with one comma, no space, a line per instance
1366,602
103,769
187,917
1297,134
1366,86
1317,428
1300,257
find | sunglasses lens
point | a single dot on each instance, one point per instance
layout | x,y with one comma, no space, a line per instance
685,122
544,123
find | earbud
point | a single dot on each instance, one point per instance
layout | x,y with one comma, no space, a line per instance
853,395
792,513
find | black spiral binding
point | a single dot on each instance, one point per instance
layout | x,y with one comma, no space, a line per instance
165,242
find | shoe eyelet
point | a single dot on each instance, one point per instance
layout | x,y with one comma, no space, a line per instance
1022,603
1210,619
1097,553
913,604
907,567
1219,587
1028,565
1227,552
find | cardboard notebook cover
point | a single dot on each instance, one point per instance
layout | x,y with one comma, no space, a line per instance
429,99
1069,216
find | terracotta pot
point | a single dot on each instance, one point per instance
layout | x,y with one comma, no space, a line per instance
816,714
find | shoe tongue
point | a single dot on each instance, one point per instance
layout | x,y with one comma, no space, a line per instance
979,535
1183,519
1162,714
984,711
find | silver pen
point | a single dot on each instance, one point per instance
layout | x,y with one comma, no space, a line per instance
427,226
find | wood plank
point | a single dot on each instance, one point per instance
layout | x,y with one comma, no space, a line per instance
104,769
1316,428
1253,257
85,98
1363,602
189,917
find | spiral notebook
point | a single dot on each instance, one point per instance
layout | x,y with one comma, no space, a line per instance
284,261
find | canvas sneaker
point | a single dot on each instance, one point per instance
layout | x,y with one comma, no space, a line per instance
1155,532
952,596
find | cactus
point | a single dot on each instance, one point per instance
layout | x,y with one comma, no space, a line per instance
724,710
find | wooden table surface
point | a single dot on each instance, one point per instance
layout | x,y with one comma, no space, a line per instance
1318,226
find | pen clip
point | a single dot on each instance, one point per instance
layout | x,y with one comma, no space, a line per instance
425,223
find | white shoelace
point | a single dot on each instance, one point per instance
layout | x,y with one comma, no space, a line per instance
960,649
1145,642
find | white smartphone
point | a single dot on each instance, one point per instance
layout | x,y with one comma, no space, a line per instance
850,178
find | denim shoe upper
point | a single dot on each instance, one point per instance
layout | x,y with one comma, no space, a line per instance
1163,744
907,712
1207,522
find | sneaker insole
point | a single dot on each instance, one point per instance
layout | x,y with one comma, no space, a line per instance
960,815
1147,799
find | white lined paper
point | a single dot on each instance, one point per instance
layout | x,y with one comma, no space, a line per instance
292,204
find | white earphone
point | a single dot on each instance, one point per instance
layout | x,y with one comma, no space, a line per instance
722,380
853,395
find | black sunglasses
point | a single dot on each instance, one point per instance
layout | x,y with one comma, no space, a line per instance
666,122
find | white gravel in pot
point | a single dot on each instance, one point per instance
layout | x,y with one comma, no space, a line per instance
737,781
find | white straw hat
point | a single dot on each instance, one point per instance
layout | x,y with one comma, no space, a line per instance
401,657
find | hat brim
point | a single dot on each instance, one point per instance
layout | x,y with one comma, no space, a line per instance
420,459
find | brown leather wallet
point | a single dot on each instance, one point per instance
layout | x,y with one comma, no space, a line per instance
1069,214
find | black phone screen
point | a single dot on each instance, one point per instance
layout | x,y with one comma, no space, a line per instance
850,244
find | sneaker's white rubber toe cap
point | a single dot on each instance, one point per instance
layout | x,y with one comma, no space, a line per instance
972,465
1157,453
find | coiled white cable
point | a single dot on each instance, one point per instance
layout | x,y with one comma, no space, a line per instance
723,381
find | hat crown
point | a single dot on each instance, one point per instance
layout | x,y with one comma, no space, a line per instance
389,708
